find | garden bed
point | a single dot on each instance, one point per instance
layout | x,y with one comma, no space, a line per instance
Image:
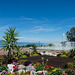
52,61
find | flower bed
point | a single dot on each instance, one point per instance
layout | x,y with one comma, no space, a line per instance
25,67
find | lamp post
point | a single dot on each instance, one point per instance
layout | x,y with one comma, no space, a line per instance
39,43
63,41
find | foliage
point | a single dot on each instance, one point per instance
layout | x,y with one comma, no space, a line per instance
18,48
26,53
74,57
50,44
71,65
21,61
71,34
48,68
35,55
10,41
34,48
39,67
24,56
8,73
26,63
69,72
72,53
1,57
29,45
63,43
63,55
5,56
56,71
44,51
3,67
63,52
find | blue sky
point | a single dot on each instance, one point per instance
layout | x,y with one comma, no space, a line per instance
37,20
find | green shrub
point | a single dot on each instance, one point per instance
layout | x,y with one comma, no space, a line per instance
35,55
69,72
63,55
44,51
74,57
22,61
72,53
3,67
5,56
1,57
24,56
39,67
56,71
63,52
73,65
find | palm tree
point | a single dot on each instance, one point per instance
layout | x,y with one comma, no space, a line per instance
34,48
10,40
18,48
7,44
13,35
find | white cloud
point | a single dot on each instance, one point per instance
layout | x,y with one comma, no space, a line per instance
40,28
24,18
70,26
20,19
43,29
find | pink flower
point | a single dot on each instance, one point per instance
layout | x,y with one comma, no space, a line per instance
64,74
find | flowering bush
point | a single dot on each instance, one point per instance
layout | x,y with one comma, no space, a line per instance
3,67
21,61
15,68
69,72
56,71
38,66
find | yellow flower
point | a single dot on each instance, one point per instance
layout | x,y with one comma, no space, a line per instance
69,63
55,69
52,67
37,63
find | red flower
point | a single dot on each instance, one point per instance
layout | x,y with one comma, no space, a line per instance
15,67
48,66
28,71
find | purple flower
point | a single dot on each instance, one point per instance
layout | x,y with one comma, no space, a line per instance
30,64
15,63
4,71
64,73
8,71
0,73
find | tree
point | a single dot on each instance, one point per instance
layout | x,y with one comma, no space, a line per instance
11,32
10,40
7,46
34,48
18,48
71,35
50,44
63,43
